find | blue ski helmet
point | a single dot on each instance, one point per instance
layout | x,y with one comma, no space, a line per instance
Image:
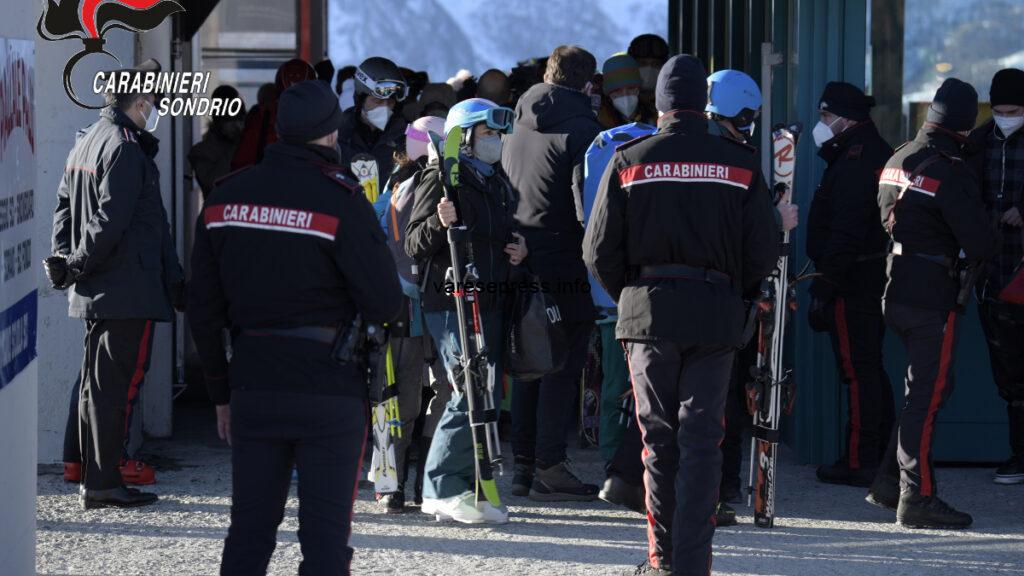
733,94
473,111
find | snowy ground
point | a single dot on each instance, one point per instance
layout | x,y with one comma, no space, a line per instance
822,530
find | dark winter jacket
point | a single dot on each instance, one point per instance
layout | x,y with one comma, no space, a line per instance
288,243
681,196
544,158
487,205
845,238
356,137
998,165
110,220
211,157
939,215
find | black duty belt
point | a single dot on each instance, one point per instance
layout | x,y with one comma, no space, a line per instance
321,334
684,272
939,259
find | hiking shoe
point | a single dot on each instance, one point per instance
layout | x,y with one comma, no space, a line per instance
917,511
73,472
619,492
725,515
884,492
646,569
560,484
522,476
841,473
393,502
137,472
1011,472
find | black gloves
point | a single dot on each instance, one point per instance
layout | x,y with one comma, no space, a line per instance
61,271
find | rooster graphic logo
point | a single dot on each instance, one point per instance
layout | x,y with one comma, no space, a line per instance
89,20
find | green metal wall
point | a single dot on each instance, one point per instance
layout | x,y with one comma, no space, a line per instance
825,40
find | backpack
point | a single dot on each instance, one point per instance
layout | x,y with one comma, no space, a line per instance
396,218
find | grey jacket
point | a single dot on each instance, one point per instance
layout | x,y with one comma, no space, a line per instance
110,221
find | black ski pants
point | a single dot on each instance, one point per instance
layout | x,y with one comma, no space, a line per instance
1003,324
680,402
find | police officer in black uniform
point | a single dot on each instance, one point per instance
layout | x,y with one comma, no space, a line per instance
931,206
288,251
848,246
678,230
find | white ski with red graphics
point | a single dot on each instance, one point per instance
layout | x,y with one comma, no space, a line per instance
772,389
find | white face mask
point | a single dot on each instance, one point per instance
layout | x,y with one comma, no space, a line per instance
649,77
487,149
378,117
823,132
152,118
1008,124
626,105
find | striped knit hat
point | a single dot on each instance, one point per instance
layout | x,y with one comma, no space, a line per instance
620,71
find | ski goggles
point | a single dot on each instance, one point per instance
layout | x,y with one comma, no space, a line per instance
383,89
499,119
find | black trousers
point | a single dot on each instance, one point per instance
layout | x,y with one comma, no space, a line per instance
323,438
680,401
542,409
930,339
857,333
1003,325
117,354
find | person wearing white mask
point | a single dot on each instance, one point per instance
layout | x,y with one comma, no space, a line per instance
371,132
848,245
620,101
999,164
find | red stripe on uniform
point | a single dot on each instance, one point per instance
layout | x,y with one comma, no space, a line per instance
945,359
137,377
685,172
900,177
843,333
651,541
272,218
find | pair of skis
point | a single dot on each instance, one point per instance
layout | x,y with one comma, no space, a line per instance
386,423
772,390
475,381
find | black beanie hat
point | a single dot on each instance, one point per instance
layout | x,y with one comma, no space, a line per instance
306,111
955,106
846,100
682,85
1007,87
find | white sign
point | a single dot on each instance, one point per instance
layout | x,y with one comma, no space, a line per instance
18,310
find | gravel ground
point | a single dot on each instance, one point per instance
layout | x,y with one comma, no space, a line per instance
821,530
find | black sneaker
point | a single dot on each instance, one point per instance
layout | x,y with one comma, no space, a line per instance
885,492
120,497
645,569
929,512
522,476
393,502
725,515
1012,471
621,493
559,484
841,473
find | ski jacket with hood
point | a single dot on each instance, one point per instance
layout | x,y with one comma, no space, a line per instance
544,158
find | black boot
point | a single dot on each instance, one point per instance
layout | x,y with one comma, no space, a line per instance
841,473
885,492
619,492
393,502
1011,471
120,497
522,476
916,511
725,515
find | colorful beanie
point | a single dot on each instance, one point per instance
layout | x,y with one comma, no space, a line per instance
620,71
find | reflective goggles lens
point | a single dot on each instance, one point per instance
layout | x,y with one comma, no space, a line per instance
500,119
384,89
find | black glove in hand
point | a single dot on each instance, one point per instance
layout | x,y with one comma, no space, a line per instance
56,268
178,296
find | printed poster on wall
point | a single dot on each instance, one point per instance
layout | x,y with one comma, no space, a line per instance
18,311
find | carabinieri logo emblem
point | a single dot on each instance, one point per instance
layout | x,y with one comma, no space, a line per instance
89,20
